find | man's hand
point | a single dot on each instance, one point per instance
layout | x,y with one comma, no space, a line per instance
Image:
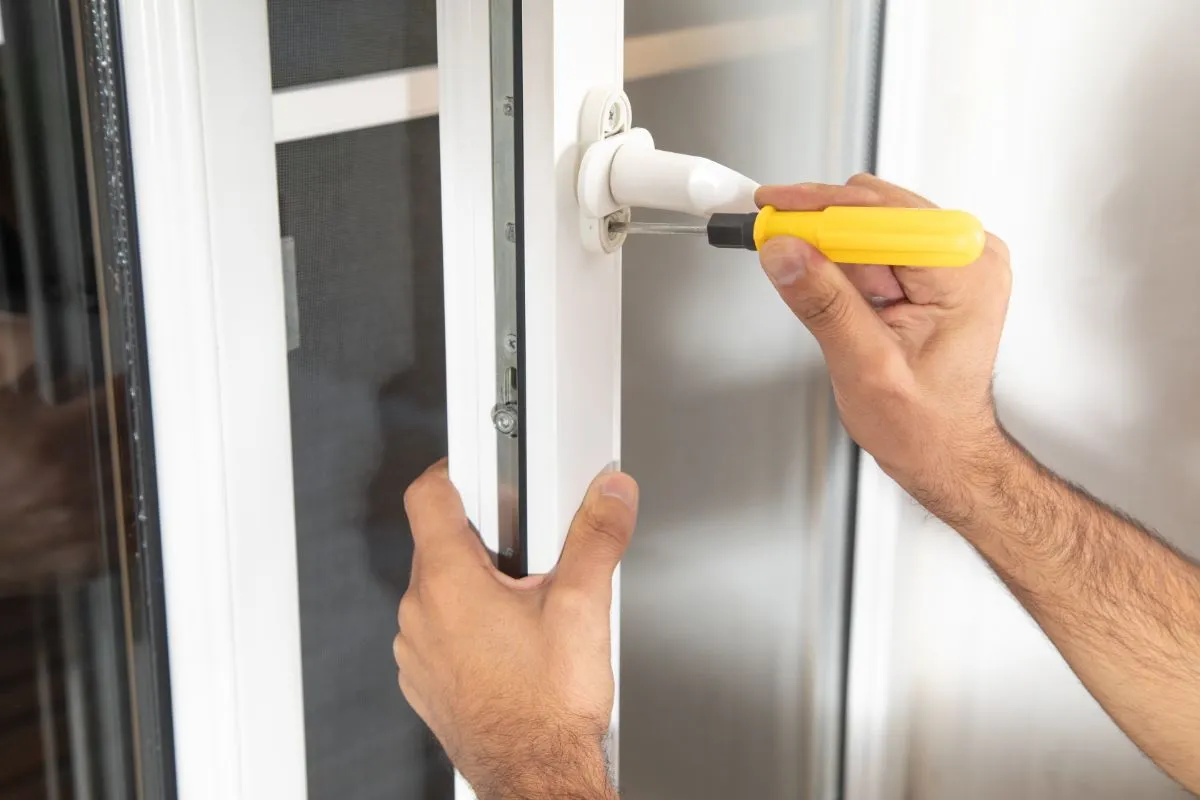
49,485
910,351
514,677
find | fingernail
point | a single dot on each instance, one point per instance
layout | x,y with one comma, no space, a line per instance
620,486
785,260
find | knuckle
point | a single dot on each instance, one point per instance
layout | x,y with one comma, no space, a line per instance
606,528
401,651
1005,278
826,311
409,691
417,491
999,255
408,612
999,247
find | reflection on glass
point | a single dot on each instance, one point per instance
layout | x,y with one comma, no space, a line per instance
733,589
82,669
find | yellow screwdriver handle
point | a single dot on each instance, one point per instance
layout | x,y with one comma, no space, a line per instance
902,237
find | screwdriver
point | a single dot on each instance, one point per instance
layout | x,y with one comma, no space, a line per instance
902,237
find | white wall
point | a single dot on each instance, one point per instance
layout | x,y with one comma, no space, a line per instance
1072,128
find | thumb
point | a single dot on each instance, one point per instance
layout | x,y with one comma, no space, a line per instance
824,299
599,534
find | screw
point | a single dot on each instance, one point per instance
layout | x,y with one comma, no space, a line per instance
613,221
510,342
613,119
509,552
509,107
510,231
504,418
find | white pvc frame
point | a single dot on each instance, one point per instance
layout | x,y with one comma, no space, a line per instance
465,93
199,88
876,701
468,258
572,340
573,328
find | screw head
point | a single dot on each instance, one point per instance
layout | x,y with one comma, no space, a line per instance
616,237
510,231
504,418
614,118
510,342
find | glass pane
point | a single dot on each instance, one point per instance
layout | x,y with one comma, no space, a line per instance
320,40
733,590
84,697
362,214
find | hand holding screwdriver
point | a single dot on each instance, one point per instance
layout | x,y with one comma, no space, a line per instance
910,351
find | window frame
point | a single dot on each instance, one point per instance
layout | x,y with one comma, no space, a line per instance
204,123
198,92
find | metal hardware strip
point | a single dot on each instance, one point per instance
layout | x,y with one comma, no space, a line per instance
507,416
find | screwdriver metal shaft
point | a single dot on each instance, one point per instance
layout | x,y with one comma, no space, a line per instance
657,227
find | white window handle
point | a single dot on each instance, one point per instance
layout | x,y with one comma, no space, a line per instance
625,170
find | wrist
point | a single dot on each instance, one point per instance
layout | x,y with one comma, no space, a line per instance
564,766
960,480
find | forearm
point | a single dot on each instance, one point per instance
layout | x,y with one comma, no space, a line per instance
1121,606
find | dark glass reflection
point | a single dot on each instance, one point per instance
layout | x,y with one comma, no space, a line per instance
83,692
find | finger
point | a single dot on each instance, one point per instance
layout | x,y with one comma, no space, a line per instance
956,287
411,695
408,614
890,193
875,282
815,196
599,535
948,287
825,300
440,529
401,650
